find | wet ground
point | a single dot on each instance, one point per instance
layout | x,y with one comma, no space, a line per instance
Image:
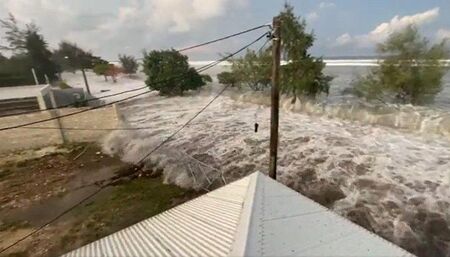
37,186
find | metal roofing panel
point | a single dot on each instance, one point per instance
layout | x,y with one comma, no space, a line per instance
204,226
254,216
285,223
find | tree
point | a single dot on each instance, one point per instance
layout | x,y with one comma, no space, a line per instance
227,78
107,69
40,56
206,78
253,69
128,63
71,57
168,72
112,71
101,69
29,42
16,70
303,74
14,35
410,72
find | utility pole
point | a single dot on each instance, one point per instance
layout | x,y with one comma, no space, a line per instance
276,53
85,81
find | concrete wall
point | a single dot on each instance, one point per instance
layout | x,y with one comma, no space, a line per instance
23,138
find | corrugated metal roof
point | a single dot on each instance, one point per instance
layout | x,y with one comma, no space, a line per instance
204,226
255,216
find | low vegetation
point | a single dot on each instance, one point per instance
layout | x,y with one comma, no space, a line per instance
35,189
169,73
107,70
129,64
410,73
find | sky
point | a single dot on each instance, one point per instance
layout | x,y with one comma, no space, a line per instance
112,27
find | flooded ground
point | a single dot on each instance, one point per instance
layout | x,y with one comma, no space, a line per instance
391,181
38,185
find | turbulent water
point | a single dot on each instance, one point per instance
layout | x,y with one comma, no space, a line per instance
391,178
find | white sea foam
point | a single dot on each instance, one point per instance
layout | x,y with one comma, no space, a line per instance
393,173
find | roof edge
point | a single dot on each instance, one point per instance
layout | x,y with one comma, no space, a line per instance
239,245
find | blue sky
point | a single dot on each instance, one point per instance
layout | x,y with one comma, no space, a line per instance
110,27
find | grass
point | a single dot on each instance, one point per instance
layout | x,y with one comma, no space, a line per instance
124,206
13,225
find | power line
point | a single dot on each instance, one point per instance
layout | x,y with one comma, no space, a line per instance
201,69
73,113
137,89
223,38
182,127
206,106
102,187
53,220
139,163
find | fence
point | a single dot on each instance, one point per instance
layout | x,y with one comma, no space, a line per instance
24,138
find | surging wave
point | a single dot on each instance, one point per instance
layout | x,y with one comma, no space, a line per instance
423,120
392,182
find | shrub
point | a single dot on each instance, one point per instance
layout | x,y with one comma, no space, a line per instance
128,63
227,78
410,72
168,72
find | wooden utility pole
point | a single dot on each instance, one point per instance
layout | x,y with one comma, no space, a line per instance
276,53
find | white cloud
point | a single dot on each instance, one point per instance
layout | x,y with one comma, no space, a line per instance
442,34
324,5
137,23
312,16
382,31
343,39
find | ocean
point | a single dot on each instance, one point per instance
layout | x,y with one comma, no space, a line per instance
385,167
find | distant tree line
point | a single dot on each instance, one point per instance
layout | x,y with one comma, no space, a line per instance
410,71
27,50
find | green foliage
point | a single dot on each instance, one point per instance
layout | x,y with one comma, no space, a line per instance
101,69
29,51
129,64
206,78
70,57
410,73
16,70
40,57
227,78
252,70
302,75
14,35
168,72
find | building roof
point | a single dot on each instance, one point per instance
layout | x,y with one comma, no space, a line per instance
254,216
